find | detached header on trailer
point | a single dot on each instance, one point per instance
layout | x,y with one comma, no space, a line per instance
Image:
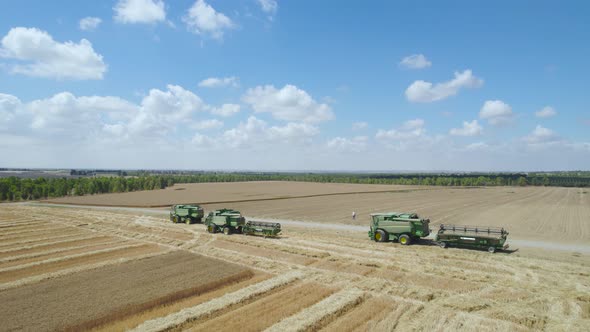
479,237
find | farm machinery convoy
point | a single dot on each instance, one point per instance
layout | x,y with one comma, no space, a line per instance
405,228
227,221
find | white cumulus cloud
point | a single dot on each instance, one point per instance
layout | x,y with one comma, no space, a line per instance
217,82
45,57
469,129
426,92
255,133
289,103
546,112
409,130
496,112
343,144
202,19
415,61
268,6
162,111
360,125
208,124
139,11
541,135
89,23
226,110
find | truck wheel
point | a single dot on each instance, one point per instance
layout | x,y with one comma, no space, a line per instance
211,229
381,236
405,240
226,231
491,250
442,244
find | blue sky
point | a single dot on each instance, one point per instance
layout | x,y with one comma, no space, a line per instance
295,85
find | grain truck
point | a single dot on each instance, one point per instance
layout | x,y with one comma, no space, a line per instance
393,226
476,237
186,213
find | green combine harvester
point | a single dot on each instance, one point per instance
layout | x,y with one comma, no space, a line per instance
476,237
231,221
186,213
225,220
403,227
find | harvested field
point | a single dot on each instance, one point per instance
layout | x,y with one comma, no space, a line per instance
271,308
310,278
132,287
529,213
226,192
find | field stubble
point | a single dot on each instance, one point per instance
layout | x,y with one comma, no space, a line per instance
346,282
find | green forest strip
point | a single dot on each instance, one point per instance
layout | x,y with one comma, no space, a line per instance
19,189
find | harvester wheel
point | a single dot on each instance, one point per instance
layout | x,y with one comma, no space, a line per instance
442,244
189,220
211,228
381,236
491,250
175,220
226,231
405,240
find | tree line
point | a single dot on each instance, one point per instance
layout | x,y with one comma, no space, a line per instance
17,189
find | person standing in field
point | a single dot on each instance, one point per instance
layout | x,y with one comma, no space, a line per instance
353,215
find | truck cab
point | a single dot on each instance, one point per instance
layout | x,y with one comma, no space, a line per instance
394,226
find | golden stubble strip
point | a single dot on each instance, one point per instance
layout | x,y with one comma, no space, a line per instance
64,234
68,257
285,302
48,245
207,308
75,269
313,317
59,252
18,272
33,230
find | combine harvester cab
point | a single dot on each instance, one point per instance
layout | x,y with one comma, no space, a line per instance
476,237
266,229
403,227
227,221
186,213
